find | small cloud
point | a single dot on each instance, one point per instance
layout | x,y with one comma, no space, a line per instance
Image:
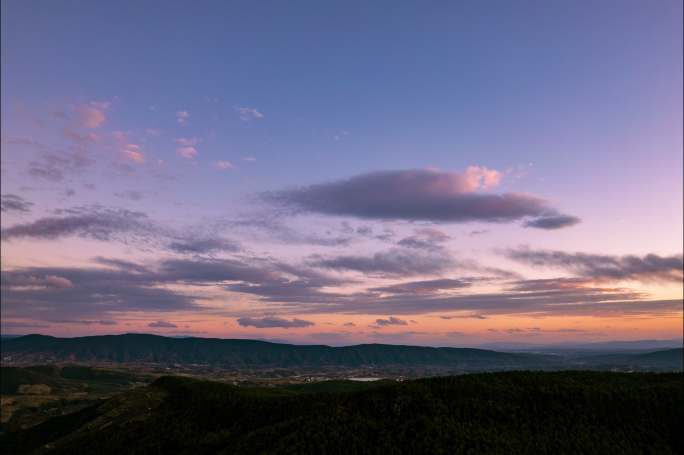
162,325
120,136
14,203
132,152
182,117
478,232
249,113
130,194
251,159
204,246
390,321
55,166
224,165
349,324
13,140
187,152
273,322
187,141
341,135
463,316
107,322
80,138
92,115
58,282
152,132
558,221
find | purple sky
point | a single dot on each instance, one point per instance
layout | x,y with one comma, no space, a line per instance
442,174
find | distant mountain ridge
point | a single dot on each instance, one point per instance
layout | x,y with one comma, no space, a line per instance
634,346
238,353
242,353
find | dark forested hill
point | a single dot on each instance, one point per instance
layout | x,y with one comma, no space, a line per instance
238,353
506,413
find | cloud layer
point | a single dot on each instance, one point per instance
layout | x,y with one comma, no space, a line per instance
650,267
91,222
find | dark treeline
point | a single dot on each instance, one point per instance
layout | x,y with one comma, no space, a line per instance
507,413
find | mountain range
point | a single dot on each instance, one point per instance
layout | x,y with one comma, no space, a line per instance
235,353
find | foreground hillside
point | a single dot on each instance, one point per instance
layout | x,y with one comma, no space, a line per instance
33,394
519,412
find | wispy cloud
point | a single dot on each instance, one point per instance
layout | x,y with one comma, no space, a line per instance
186,147
389,321
14,203
187,152
55,166
90,222
182,117
552,222
249,113
204,246
224,165
133,153
393,262
81,138
131,195
162,325
426,286
650,267
28,142
187,141
92,115
274,322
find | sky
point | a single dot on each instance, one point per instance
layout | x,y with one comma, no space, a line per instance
429,173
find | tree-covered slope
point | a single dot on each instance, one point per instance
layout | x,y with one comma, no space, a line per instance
507,413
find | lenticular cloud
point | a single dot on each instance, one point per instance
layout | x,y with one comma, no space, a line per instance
421,195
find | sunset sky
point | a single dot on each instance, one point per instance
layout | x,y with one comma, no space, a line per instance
433,173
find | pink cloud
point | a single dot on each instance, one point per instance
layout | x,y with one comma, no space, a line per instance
479,177
223,165
120,136
187,152
58,281
132,152
92,115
